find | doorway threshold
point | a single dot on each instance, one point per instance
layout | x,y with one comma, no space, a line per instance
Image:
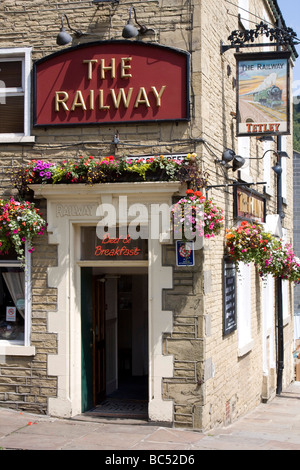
120,408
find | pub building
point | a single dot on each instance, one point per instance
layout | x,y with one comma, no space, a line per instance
105,126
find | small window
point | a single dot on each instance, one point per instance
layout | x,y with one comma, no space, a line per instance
15,120
15,309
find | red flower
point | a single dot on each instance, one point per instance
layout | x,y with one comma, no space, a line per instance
244,224
189,191
198,193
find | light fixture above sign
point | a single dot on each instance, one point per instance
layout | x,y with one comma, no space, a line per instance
63,37
130,31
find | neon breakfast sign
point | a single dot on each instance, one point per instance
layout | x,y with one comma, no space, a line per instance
115,247
111,81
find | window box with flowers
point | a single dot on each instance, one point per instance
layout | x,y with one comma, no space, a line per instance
88,170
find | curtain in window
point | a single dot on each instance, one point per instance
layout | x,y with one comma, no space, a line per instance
16,285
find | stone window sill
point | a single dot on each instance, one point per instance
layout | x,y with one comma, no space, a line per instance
245,349
16,350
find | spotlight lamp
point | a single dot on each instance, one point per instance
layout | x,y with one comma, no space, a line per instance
277,168
130,31
63,37
238,162
229,156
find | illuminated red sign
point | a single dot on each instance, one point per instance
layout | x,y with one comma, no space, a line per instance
111,82
115,247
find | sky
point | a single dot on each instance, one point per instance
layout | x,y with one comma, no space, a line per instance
290,10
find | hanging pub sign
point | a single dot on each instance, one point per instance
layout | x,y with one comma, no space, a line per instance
249,205
263,94
229,297
111,82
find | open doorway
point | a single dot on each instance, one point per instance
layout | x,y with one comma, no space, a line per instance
115,342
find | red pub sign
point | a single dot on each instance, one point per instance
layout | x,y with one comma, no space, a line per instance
111,82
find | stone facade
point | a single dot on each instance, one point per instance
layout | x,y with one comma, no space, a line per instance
210,383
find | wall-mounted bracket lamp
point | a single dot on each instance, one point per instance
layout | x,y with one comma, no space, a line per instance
277,153
277,168
229,156
63,37
130,31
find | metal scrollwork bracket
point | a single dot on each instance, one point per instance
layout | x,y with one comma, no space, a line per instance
246,38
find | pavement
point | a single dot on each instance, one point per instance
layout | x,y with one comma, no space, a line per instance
270,426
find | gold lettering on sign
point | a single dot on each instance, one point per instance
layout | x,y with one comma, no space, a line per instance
142,98
90,66
121,95
104,99
125,67
60,98
101,99
158,95
105,68
78,101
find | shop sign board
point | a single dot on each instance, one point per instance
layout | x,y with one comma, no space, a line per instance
249,205
112,82
229,297
263,94
185,253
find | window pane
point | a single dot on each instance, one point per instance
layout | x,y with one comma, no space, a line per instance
11,74
12,303
11,114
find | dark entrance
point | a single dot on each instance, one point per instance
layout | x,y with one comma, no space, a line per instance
114,342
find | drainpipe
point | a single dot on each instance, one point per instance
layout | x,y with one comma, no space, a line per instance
280,339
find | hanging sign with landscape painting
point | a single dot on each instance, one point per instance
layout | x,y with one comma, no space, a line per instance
263,103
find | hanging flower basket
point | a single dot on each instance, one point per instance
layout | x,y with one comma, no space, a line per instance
250,243
194,214
20,223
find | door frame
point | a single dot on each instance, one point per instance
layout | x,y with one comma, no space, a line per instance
70,207
95,279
